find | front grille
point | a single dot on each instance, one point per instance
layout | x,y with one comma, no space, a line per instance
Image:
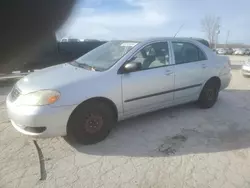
14,94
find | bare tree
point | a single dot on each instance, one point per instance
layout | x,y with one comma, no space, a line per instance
211,25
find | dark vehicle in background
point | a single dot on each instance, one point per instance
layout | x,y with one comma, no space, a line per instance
52,53
69,51
66,51
247,51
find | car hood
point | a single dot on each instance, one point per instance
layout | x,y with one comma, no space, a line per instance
54,77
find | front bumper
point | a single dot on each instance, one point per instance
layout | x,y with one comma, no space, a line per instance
39,121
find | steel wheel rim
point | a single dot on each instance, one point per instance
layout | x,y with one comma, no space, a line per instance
210,93
93,123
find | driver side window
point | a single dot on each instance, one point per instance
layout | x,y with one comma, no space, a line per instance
153,56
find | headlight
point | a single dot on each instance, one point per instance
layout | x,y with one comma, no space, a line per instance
38,98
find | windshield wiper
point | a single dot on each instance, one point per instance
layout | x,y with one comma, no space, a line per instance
86,66
83,65
89,67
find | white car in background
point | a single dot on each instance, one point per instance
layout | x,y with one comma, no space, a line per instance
117,80
222,51
240,51
245,70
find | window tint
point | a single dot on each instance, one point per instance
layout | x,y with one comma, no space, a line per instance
185,52
153,55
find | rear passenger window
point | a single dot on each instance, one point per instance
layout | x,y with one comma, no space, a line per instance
185,52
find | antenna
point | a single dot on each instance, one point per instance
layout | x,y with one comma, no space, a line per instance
179,30
228,33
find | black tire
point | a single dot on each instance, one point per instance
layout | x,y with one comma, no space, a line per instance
209,94
91,122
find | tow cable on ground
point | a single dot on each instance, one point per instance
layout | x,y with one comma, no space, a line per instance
43,173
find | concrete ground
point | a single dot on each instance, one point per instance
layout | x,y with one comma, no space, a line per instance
182,146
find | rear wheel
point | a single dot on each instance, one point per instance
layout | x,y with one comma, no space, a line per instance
91,122
209,94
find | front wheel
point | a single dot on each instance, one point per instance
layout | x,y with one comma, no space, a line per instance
91,122
209,95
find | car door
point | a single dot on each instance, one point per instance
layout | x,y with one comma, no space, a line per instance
207,67
150,87
188,71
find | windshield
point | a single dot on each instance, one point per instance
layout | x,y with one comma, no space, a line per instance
105,56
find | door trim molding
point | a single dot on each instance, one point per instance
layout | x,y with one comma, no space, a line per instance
162,93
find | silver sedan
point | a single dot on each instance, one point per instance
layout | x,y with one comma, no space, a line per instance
118,80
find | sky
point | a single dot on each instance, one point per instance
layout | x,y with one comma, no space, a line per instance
130,19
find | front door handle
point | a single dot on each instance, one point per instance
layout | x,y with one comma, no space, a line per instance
204,66
168,72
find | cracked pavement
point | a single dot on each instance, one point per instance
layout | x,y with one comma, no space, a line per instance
177,147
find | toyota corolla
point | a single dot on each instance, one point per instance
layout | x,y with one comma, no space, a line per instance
120,79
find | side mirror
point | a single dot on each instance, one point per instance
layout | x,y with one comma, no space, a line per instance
131,67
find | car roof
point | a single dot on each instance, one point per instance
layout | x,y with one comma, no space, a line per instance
152,39
155,39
